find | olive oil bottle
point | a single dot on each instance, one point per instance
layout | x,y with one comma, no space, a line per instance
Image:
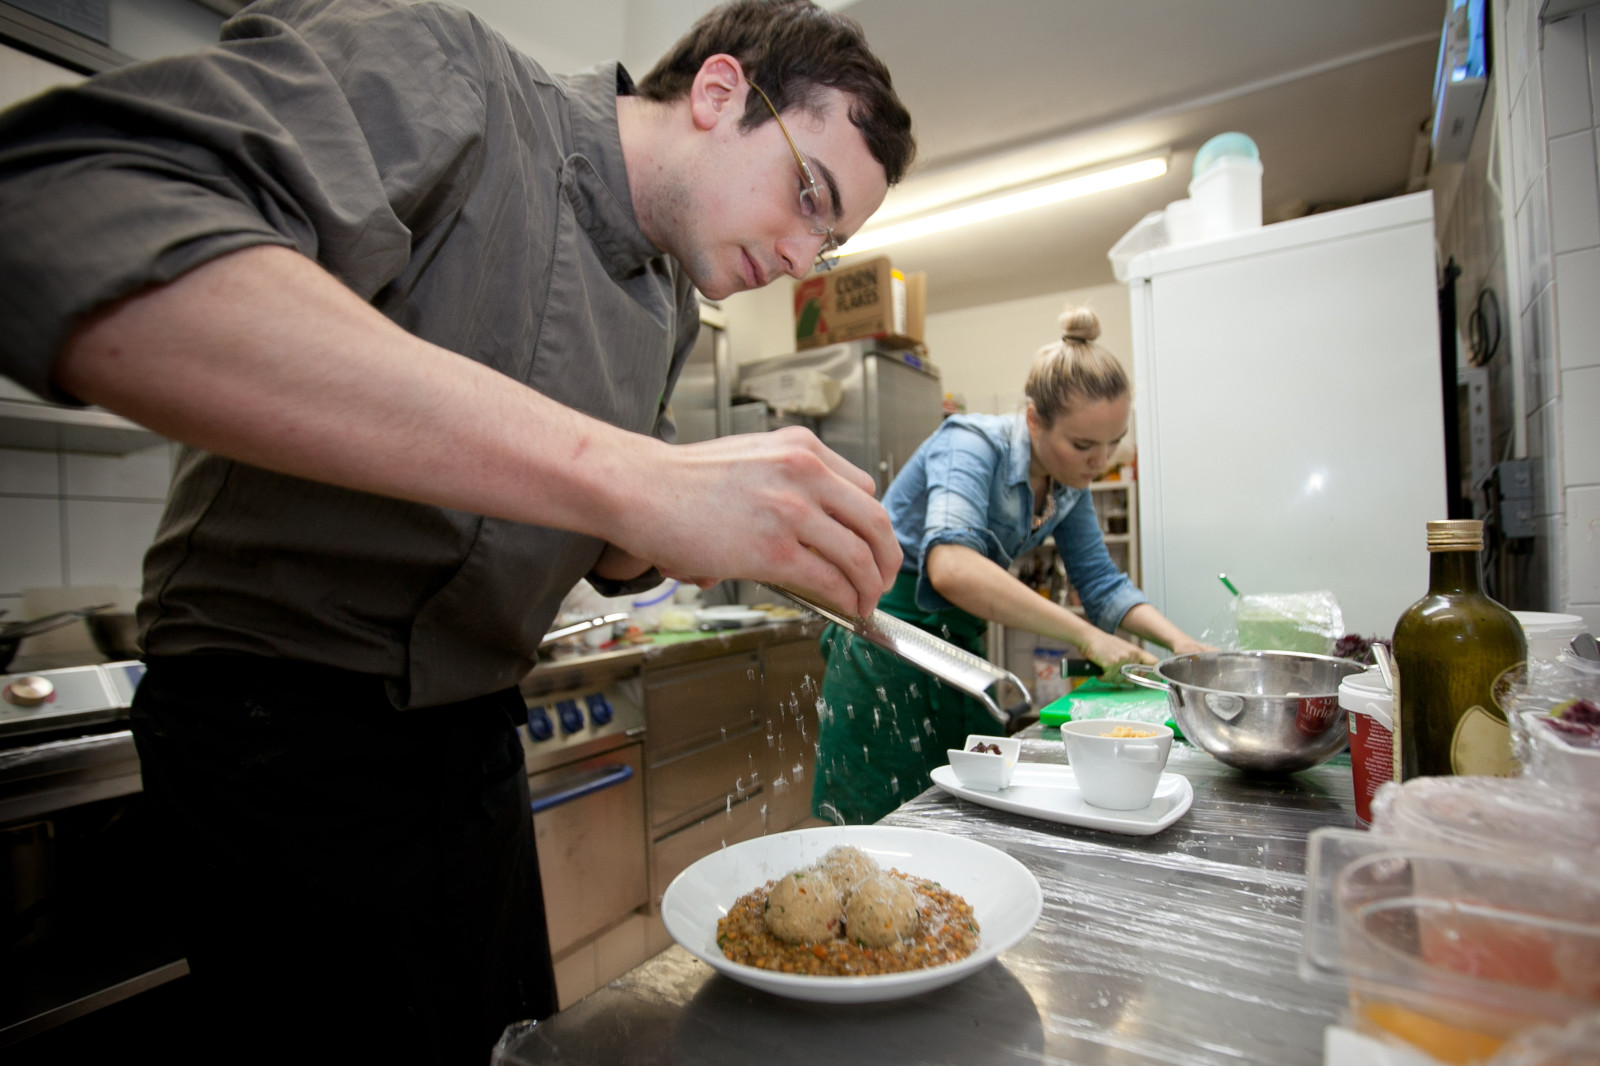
1449,647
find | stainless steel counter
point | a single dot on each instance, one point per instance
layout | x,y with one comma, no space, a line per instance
564,670
1176,948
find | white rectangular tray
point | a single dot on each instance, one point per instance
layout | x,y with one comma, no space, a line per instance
1048,791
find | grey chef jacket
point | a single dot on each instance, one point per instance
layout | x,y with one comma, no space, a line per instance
471,197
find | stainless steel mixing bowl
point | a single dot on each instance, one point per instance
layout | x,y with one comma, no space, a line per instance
1268,711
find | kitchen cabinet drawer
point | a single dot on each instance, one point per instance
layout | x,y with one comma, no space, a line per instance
592,852
706,777
691,705
677,851
791,685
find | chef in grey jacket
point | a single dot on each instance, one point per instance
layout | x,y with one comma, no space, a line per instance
416,308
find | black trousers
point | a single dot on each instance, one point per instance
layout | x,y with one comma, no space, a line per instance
353,883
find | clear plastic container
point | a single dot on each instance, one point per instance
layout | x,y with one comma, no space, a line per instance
1497,815
1148,234
1453,952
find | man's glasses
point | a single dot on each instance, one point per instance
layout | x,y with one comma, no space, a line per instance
815,203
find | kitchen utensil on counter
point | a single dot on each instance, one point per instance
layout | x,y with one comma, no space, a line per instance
1267,711
950,664
1385,660
13,633
1584,647
581,627
115,634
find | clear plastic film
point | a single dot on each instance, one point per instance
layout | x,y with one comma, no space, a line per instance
1176,947
1554,710
1278,621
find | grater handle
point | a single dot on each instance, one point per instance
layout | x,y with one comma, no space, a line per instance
957,657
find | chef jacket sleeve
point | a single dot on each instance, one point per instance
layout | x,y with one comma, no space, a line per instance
960,469
334,127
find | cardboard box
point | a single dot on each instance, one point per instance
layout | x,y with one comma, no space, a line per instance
857,300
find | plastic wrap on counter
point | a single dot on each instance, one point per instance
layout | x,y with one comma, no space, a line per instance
1554,710
1278,621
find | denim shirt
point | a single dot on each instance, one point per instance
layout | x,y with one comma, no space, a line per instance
968,484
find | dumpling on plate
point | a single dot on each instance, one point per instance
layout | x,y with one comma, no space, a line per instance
882,911
804,907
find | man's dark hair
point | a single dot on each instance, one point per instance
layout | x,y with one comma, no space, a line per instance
793,49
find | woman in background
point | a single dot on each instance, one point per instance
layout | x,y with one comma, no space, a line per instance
983,490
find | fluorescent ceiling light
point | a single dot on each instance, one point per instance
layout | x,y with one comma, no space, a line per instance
1008,204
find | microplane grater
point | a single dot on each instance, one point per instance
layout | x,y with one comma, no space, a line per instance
951,664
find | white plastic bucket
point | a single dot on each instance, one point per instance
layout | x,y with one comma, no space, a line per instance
1549,634
1369,707
1183,224
1227,197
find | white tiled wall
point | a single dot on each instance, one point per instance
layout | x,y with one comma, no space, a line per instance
1549,75
70,520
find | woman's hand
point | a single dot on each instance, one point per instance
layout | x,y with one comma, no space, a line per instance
1111,652
1189,646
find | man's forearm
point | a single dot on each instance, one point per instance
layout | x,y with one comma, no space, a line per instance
264,357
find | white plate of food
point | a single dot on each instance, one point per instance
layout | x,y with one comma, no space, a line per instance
1048,791
731,616
1004,897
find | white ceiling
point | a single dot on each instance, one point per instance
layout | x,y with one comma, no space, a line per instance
1333,94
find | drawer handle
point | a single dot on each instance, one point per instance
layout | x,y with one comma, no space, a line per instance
605,777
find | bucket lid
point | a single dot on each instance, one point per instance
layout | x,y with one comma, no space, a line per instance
1367,694
1545,624
1224,146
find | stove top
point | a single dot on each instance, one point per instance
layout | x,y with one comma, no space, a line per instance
71,697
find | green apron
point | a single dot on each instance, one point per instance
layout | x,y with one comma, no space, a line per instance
884,724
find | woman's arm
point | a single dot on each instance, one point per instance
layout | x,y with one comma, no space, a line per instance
982,587
1151,624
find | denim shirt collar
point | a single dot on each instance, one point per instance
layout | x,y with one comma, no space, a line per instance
1018,462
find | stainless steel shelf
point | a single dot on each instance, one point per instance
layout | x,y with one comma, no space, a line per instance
48,427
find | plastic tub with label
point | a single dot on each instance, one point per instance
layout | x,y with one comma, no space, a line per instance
1369,707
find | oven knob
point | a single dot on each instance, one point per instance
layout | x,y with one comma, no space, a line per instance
539,727
30,691
571,717
599,708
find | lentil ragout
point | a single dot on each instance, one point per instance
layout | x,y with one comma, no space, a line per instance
946,932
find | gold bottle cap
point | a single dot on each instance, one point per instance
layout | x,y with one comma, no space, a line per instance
1455,535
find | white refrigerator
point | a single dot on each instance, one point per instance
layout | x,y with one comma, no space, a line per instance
1290,419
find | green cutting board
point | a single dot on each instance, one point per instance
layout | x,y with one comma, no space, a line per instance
1096,698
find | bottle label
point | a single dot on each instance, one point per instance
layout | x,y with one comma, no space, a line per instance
1481,745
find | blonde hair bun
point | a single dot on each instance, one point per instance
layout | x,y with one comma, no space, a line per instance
1079,324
